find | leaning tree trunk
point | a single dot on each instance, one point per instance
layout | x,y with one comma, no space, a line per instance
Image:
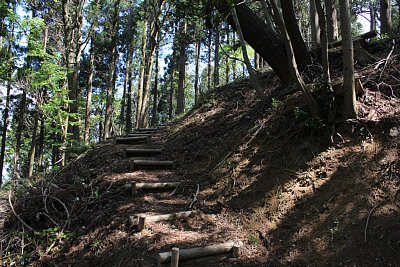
262,37
350,109
303,58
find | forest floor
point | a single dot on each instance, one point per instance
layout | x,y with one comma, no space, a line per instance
290,190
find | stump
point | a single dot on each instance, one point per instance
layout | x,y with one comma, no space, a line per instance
200,254
134,186
131,140
136,164
137,152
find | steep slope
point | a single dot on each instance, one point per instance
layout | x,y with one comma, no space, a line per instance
289,189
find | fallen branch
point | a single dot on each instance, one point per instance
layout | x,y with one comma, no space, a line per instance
16,215
194,197
368,218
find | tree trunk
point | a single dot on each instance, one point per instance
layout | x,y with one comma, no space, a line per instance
216,57
180,96
315,28
372,13
89,95
171,88
261,37
18,134
331,20
234,61
227,66
142,73
155,89
386,17
312,104
209,60
33,143
197,70
350,109
40,146
253,75
5,128
303,58
111,72
324,44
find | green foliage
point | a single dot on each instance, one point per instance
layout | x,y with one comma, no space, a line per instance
303,119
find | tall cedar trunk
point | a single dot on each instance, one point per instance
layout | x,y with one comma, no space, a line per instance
18,134
324,43
227,65
253,75
111,71
180,96
41,146
303,58
122,113
216,57
129,90
197,72
350,109
171,87
72,23
386,17
261,37
209,60
331,20
155,89
315,28
234,61
33,143
312,104
142,73
89,94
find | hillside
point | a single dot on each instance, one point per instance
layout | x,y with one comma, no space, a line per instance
288,189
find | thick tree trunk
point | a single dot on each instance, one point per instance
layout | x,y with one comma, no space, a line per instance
142,74
261,37
315,28
197,70
180,96
372,13
129,103
41,146
227,66
386,17
350,109
89,95
331,20
111,72
5,128
303,58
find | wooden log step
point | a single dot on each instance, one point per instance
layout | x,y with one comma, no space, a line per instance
141,219
131,140
132,187
201,254
137,164
138,135
137,152
142,132
146,129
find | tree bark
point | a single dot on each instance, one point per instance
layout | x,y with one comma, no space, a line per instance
197,70
171,88
216,56
315,28
155,89
303,58
142,73
111,71
331,20
209,60
386,17
324,44
180,96
41,146
89,95
5,128
18,134
350,110
33,143
227,66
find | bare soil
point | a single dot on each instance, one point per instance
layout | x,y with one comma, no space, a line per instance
289,190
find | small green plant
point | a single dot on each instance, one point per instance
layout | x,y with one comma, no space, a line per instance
275,102
253,240
335,229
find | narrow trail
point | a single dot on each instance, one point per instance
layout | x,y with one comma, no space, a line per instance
171,219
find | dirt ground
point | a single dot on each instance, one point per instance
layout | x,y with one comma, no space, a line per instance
288,189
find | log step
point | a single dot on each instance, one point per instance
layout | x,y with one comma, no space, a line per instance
137,164
138,135
137,152
146,129
142,132
198,254
132,187
131,140
141,219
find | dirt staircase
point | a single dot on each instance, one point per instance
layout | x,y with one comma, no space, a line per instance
145,159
